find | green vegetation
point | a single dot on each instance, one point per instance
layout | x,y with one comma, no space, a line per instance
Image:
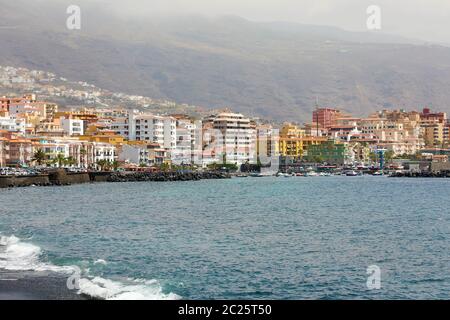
39,157
223,166
104,165
60,160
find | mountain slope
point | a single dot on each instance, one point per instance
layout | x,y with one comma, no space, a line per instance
274,70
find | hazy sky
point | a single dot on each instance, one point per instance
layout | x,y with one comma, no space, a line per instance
423,19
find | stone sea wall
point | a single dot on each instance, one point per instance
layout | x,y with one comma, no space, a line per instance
24,181
61,178
165,176
424,174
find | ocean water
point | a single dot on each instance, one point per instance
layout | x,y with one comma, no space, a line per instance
253,238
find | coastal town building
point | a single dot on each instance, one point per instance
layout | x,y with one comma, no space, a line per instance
428,116
45,110
325,117
188,150
143,153
87,135
6,102
358,153
13,124
83,153
147,127
328,152
268,139
234,139
4,152
434,133
93,134
343,133
72,127
293,141
14,150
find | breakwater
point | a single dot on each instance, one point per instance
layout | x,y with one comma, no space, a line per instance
164,176
62,178
424,174
24,181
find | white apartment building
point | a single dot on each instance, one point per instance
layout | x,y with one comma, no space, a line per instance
158,129
120,126
237,143
147,127
149,155
86,154
12,124
186,151
72,127
103,151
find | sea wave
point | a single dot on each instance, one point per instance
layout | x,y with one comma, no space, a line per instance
16,255
134,290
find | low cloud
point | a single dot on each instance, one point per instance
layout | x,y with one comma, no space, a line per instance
422,19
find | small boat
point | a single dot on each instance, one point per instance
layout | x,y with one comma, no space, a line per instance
352,173
377,173
256,175
325,174
241,176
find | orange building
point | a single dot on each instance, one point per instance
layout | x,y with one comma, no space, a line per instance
326,117
15,151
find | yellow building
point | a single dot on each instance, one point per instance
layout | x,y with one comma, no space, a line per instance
298,147
291,131
434,133
294,143
105,136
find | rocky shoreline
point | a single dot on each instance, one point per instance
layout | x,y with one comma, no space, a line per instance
62,178
420,175
164,176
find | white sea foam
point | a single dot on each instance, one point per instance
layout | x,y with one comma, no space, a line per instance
134,290
100,261
16,255
22,256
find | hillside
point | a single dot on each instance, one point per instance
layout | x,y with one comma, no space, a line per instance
274,70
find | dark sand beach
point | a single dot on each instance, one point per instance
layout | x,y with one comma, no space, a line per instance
28,285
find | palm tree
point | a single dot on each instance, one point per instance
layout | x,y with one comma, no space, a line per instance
115,165
39,156
70,161
60,160
103,164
